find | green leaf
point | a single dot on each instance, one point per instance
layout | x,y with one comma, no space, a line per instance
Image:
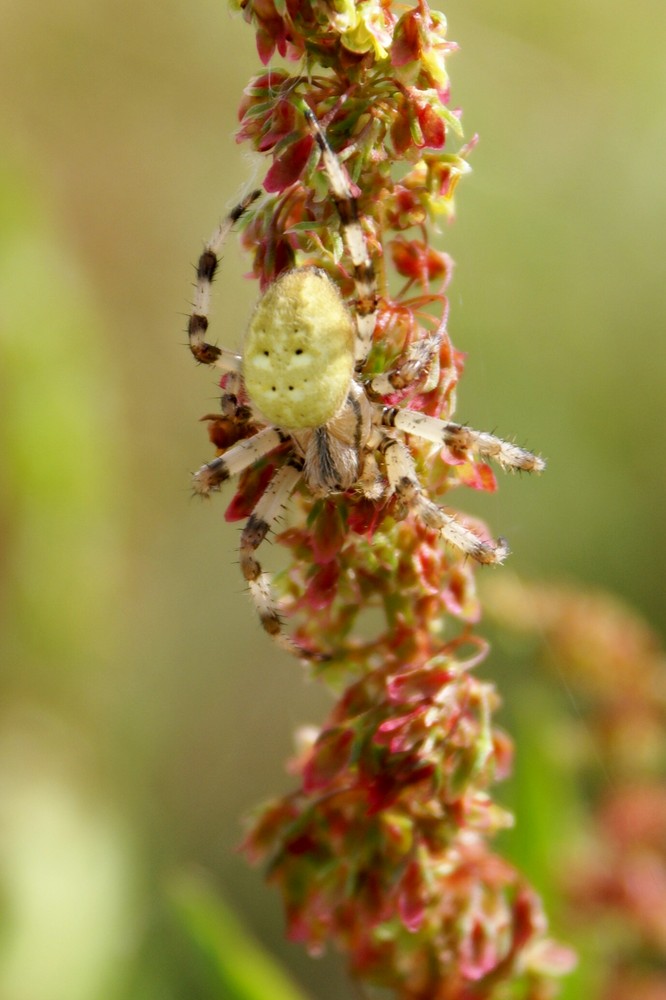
234,965
453,121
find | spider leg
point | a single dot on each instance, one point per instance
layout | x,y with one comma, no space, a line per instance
209,354
419,365
229,405
261,521
352,231
403,481
235,459
462,440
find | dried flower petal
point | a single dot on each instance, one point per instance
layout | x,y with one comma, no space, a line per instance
289,165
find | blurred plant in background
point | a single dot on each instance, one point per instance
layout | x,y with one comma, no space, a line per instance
612,870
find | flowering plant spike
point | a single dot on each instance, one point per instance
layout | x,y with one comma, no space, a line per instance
341,404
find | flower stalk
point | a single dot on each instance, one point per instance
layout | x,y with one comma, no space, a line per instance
383,846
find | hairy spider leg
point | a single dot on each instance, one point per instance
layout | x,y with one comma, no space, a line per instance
260,522
461,439
236,459
419,367
205,353
365,307
403,481
230,407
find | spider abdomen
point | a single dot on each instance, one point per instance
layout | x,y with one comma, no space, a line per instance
298,358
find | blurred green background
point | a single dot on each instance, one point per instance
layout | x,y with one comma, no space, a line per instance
142,711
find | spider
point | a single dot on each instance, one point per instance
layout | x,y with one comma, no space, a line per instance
302,372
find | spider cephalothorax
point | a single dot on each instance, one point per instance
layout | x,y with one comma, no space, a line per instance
302,372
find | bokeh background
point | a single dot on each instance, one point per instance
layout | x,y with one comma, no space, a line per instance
142,712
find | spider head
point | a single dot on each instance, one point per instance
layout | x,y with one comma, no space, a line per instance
298,358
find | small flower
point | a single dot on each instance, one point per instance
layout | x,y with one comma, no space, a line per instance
420,46
266,118
370,30
274,29
419,262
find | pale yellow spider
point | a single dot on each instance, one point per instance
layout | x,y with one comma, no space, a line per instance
302,372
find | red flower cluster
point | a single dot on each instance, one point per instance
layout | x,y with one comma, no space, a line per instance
383,850
383,846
